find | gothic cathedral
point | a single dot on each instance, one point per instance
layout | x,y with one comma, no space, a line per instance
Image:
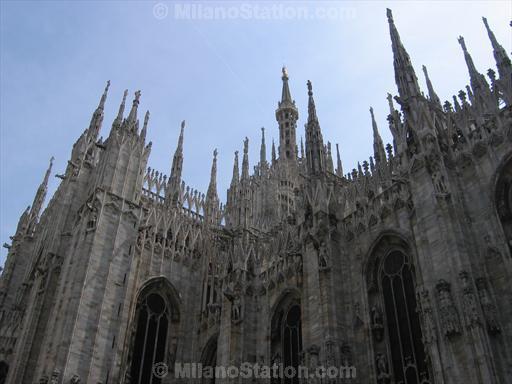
400,268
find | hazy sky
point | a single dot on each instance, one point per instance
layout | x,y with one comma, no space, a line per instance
220,74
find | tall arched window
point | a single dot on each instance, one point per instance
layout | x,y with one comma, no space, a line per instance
209,359
403,324
292,341
399,351
286,337
153,314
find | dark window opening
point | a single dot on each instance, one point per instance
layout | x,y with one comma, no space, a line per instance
4,368
286,341
408,359
150,339
292,342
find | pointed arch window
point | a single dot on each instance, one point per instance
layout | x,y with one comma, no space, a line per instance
153,314
286,338
408,359
292,341
209,359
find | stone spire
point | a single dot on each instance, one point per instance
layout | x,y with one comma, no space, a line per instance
503,64
119,118
405,77
274,159
287,115
97,117
145,126
177,165
235,178
263,149
211,194
469,60
329,164
339,166
245,161
392,109
379,153
314,142
212,200
232,209
103,99
132,117
37,204
286,97
477,80
431,93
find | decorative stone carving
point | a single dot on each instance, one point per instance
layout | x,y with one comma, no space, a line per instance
76,380
488,307
383,376
449,317
469,303
55,376
330,353
424,378
439,181
276,359
93,218
44,379
127,376
358,322
425,310
236,310
312,362
324,262
377,323
346,354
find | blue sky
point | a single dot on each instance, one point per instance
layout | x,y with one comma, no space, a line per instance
222,76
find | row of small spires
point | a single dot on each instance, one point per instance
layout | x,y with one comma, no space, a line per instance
402,64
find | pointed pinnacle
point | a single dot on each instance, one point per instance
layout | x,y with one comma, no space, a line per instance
462,43
212,188
234,179
104,96
389,14
145,126
133,113
286,96
48,171
263,149
122,106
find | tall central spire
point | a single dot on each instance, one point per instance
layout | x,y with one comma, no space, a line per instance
287,115
286,97
405,76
